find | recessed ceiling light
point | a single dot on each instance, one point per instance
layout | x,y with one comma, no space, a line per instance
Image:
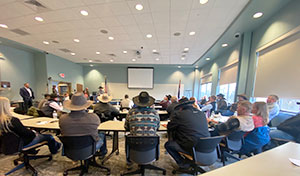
149,36
90,60
76,40
224,45
186,49
97,52
196,66
203,1
73,54
125,52
46,43
179,66
111,60
154,51
111,38
182,58
258,15
133,60
157,59
92,65
207,58
192,33
139,7
84,13
3,26
40,19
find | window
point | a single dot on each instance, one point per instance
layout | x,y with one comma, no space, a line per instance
205,90
285,104
229,91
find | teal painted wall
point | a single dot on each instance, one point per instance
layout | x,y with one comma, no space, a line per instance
94,76
40,67
73,72
17,68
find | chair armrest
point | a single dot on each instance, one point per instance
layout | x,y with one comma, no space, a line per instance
189,157
35,146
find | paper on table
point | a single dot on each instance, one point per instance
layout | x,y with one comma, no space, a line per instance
295,161
42,122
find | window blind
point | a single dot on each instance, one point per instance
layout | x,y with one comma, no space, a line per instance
229,74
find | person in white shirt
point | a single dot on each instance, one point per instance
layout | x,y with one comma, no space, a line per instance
51,106
126,103
273,106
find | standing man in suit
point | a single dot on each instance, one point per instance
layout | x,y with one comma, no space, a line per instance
27,95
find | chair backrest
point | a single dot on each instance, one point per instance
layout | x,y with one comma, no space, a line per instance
234,140
142,149
10,143
204,153
281,117
78,147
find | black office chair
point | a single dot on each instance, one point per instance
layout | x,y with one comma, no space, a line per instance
81,148
13,144
142,150
232,145
204,154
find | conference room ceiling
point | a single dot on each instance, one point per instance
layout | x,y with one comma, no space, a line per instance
129,27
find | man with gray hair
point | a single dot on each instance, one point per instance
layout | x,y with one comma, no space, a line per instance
171,107
273,106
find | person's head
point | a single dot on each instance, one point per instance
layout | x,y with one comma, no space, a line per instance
166,98
261,109
78,102
86,88
53,97
26,85
204,98
66,94
47,96
5,115
242,97
54,86
272,99
193,99
212,98
220,96
173,99
100,87
143,100
104,98
126,96
244,108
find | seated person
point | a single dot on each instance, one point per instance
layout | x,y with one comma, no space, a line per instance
79,122
142,120
43,101
126,103
203,101
210,105
50,106
195,105
66,96
187,125
104,109
242,122
240,97
221,103
288,130
165,102
171,107
273,106
8,124
258,137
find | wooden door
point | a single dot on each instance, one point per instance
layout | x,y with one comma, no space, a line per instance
79,87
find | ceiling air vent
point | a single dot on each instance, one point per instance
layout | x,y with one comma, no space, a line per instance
112,55
20,32
65,50
35,3
97,60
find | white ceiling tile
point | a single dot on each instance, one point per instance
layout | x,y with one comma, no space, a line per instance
13,10
159,5
133,3
102,10
161,17
181,5
120,8
126,20
143,18
111,21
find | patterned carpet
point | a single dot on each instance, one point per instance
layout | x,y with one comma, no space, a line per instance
117,163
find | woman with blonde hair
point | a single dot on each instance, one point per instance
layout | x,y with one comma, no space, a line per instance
195,104
9,124
259,136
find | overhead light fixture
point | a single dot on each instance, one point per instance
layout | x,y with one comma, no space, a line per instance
258,15
186,49
76,40
40,19
154,51
133,60
90,60
4,26
149,36
111,38
179,66
139,7
192,33
224,45
125,52
97,52
84,13
111,60
157,59
196,66
183,58
207,58
203,1
46,43
92,65
73,54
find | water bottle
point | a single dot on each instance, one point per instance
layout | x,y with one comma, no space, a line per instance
54,114
235,113
212,114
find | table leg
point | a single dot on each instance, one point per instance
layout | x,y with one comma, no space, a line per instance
115,148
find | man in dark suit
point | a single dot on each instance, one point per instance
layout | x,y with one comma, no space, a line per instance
27,95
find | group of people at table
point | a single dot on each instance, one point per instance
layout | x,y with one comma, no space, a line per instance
187,121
